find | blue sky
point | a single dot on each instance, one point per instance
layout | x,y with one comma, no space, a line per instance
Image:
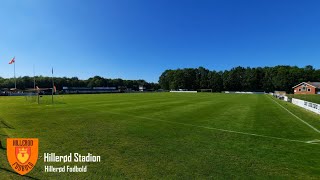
135,39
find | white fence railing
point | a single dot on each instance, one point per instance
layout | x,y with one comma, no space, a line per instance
243,92
307,105
184,91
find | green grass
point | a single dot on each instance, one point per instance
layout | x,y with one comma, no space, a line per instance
167,136
311,98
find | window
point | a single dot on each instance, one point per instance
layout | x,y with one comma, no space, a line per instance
309,89
299,89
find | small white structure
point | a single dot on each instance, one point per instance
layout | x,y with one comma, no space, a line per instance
142,88
280,93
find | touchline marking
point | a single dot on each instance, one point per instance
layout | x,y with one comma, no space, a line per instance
315,129
314,141
210,128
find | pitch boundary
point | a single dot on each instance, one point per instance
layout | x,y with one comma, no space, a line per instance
315,129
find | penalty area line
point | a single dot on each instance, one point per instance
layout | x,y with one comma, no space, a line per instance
315,129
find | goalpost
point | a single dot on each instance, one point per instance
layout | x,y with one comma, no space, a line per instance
32,97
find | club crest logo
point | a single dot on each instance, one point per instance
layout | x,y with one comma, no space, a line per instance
22,154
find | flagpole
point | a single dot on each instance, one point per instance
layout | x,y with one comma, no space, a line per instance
52,86
14,74
34,79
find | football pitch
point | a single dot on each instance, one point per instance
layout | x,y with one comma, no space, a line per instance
167,135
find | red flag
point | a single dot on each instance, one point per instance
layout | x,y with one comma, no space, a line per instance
12,60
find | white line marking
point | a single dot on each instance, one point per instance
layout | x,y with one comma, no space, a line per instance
210,128
315,129
314,141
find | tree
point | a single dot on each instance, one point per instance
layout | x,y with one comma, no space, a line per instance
96,81
215,81
239,78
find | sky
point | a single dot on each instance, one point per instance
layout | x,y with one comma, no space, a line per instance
139,39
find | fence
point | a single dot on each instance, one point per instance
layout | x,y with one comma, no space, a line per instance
307,105
184,91
243,92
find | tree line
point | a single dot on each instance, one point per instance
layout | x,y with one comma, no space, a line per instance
27,82
266,79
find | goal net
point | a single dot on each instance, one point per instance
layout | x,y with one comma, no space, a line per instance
31,97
